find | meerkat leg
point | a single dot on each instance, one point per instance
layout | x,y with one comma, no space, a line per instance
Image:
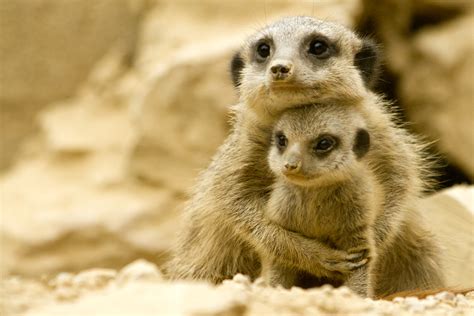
274,273
411,262
358,281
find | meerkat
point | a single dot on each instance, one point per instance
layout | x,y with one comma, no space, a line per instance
223,221
324,189
293,62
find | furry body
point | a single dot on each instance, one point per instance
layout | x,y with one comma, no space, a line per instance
327,194
225,230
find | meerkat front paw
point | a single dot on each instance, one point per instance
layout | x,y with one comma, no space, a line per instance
346,262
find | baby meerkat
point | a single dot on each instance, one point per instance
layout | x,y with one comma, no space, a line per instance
325,190
225,228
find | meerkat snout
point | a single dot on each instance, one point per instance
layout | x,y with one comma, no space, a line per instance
292,166
292,159
281,70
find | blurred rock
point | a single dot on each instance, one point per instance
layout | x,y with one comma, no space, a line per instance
47,49
139,270
429,47
69,204
104,180
184,114
438,89
184,120
450,215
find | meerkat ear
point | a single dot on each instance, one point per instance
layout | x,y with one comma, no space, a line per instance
361,143
236,66
367,60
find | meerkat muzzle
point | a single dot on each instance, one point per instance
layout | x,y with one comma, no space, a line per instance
281,70
292,166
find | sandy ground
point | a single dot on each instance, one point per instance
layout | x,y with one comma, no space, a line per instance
139,289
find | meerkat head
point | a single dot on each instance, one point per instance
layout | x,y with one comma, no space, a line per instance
318,144
303,60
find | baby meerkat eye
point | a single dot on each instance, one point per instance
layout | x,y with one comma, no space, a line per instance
324,144
263,50
281,140
319,48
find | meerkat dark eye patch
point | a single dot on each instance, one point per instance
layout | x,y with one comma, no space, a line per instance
236,66
361,143
324,144
281,141
319,48
367,60
263,50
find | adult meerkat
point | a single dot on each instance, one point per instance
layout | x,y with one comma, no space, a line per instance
325,189
295,61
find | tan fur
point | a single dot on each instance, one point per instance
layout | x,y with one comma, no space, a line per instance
312,79
333,197
225,228
341,201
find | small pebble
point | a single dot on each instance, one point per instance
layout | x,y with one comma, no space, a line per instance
297,289
429,301
411,300
445,296
398,300
94,278
326,289
139,270
65,293
63,279
259,282
417,308
242,279
345,291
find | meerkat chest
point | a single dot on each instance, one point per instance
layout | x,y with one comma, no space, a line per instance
315,213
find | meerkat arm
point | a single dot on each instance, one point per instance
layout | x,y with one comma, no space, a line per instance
291,248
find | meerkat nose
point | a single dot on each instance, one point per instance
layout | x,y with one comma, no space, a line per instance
292,166
284,69
281,69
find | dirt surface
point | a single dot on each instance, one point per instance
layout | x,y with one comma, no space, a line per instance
139,289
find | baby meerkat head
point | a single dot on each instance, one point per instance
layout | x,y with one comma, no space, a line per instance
303,60
318,144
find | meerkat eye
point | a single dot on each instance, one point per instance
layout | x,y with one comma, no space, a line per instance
319,48
263,50
281,140
324,144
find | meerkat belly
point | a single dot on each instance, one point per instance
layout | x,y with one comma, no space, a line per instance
313,217
331,215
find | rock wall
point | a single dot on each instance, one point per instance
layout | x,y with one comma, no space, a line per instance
429,49
47,49
104,179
